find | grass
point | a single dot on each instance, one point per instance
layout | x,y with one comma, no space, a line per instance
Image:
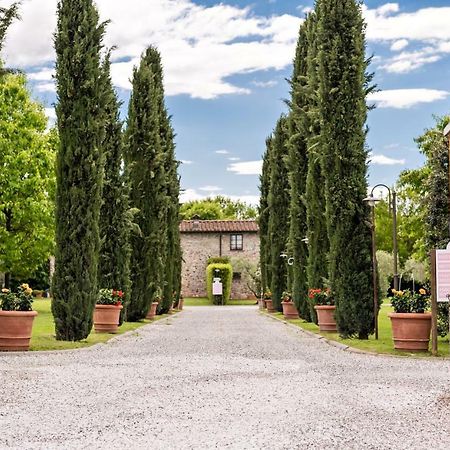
383,345
205,302
43,337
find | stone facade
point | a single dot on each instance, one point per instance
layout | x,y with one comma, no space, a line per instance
198,246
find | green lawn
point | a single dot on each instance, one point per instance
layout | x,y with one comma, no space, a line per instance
384,343
43,337
205,302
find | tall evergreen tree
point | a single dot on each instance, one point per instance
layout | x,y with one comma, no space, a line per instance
318,243
263,220
115,220
80,115
7,15
148,189
343,86
279,203
298,169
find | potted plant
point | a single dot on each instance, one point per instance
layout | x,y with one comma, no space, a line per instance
268,301
289,309
411,324
323,302
152,311
16,319
107,311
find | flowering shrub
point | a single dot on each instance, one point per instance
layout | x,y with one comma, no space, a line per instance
110,297
287,296
267,295
321,297
409,302
17,301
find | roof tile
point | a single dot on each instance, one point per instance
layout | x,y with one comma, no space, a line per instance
218,226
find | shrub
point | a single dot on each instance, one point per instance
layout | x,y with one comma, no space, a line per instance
321,297
409,302
225,273
219,260
16,301
110,297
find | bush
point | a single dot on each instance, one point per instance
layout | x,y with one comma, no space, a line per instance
225,273
218,260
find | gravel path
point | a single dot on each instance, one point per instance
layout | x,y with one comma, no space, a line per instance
228,377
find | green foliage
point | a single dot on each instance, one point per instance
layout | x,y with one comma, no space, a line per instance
80,113
409,302
219,260
250,273
321,297
225,273
217,208
385,263
21,300
146,159
27,180
110,297
7,15
442,322
278,205
298,123
263,220
343,86
115,214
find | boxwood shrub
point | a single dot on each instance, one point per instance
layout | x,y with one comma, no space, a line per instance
225,273
219,260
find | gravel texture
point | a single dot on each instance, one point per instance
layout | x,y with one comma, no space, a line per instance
222,377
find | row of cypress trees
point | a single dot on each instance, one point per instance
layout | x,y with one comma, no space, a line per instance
117,192
319,146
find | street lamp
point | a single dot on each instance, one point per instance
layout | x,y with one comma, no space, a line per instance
371,200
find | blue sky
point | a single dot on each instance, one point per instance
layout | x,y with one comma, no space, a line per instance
226,64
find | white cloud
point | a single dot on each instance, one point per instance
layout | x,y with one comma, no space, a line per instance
399,45
383,160
186,162
188,195
406,98
246,168
265,84
408,61
210,188
222,152
234,158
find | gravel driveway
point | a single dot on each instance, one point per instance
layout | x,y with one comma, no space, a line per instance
222,377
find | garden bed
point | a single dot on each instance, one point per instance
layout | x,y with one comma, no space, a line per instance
43,337
384,345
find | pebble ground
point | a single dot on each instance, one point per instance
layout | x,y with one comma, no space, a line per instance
222,377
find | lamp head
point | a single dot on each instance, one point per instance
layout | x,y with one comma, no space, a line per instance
371,200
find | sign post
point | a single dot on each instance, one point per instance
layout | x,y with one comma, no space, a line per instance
217,288
434,340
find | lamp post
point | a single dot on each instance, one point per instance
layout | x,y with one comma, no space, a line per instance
371,200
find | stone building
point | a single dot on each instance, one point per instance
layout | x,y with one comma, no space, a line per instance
202,239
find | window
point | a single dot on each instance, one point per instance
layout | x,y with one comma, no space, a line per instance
236,242
237,276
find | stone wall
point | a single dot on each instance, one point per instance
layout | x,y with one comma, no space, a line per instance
198,247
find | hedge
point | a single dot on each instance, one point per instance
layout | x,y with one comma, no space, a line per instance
226,275
219,260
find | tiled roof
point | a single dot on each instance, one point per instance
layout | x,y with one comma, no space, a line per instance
219,226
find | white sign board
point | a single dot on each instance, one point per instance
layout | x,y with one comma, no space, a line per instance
443,274
217,287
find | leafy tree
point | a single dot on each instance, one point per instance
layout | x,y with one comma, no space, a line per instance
7,15
264,214
115,214
217,208
80,113
27,181
298,169
279,202
146,159
343,87
318,242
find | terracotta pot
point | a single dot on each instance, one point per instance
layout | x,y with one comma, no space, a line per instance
325,316
411,331
15,330
289,310
152,311
269,306
106,318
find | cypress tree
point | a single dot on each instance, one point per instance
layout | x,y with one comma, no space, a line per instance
343,86
318,243
7,15
279,202
78,43
263,220
148,190
115,220
298,169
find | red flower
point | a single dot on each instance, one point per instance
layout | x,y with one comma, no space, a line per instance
114,292
120,294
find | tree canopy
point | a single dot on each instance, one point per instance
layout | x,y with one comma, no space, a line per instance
218,208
